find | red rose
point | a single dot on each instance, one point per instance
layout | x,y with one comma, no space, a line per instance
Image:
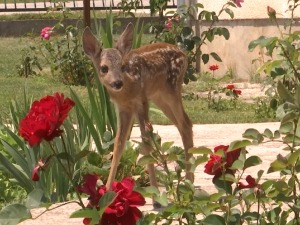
45,118
90,188
251,183
214,165
214,67
123,210
230,86
218,165
237,92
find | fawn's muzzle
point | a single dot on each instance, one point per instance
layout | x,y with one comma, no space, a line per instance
117,84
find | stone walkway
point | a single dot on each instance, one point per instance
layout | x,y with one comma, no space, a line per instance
204,135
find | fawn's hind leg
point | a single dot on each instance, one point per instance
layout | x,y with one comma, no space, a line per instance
171,105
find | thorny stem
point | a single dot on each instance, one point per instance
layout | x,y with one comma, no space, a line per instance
285,53
209,28
69,176
294,174
48,210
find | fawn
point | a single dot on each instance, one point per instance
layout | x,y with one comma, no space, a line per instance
133,77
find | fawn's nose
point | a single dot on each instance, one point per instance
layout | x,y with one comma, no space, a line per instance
117,84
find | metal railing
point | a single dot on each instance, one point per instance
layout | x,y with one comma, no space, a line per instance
44,5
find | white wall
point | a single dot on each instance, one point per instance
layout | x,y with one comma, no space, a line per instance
250,8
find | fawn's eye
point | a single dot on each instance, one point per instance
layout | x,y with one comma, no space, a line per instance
104,69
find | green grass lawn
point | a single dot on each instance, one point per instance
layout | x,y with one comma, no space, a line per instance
13,86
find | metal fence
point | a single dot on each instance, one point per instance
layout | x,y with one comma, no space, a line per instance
44,5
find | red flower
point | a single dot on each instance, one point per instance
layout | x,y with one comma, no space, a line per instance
214,165
230,86
86,221
218,165
251,183
237,92
46,32
123,210
214,67
45,118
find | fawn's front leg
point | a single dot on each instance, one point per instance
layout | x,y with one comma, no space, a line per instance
125,121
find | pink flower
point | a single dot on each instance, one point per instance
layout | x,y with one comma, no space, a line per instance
214,67
238,2
46,32
251,183
168,24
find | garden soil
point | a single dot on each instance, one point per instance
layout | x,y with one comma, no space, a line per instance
209,135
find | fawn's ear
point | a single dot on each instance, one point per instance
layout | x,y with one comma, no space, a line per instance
90,44
124,43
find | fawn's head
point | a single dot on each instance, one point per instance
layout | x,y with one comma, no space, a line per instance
108,62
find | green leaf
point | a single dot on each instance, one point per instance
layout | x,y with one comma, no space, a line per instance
166,145
224,31
293,158
205,58
14,214
252,161
238,144
213,219
200,150
162,199
216,56
146,159
286,128
284,94
268,133
229,12
277,165
237,165
253,134
81,155
107,199
91,213
34,198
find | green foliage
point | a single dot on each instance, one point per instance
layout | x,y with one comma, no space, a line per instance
280,56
